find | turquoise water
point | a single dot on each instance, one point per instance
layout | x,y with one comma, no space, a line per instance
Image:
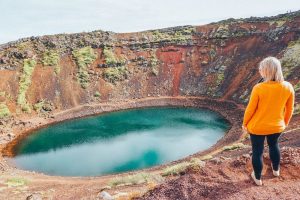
119,141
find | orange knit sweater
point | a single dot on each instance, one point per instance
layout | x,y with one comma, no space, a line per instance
270,108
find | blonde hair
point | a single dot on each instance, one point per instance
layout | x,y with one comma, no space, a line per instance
270,69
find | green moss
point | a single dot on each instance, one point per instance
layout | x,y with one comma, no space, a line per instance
194,163
181,35
115,74
24,84
97,94
135,179
84,57
4,111
15,182
154,64
212,53
234,146
38,106
176,169
206,157
222,31
111,60
220,78
211,90
51,58
278,23
291,58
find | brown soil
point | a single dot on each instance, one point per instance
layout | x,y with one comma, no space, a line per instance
230,179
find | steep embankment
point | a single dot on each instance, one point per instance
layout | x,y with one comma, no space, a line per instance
54,73
52,78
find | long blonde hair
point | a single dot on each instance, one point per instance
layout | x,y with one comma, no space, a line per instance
270,69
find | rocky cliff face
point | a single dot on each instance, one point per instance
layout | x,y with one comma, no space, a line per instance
40,75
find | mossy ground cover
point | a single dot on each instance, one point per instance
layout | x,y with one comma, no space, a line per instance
4,111
181,35
51,58
115,74
135,179
83,58
16,181
291,58
111,59
179,168
24,83
220,76
154,64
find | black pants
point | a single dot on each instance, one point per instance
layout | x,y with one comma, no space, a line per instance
258,149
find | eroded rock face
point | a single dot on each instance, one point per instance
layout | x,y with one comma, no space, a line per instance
217,60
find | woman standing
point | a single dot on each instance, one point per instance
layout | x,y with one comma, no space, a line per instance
268,113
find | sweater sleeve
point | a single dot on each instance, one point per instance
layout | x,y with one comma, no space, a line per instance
289,107
251,107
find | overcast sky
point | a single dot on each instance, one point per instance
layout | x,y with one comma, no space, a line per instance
24,18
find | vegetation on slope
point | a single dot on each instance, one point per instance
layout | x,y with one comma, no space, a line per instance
84,57
154,64
51,58
111,60
138,178
291,58
4,111
24,84
180,35
115,74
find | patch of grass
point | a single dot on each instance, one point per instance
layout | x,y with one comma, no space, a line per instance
111,60
24,84
278,23
84,57
15,182
234,146
196,163
211,90
222,32
4,111
154,64
175,169
2,94
291,58
39,105
135,179
220,78
115,74
51,58
97,94
206,157
181,35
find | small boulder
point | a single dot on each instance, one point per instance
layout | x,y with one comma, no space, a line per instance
34,197
105,196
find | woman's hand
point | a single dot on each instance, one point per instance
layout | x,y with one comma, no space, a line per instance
245,133
244,128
